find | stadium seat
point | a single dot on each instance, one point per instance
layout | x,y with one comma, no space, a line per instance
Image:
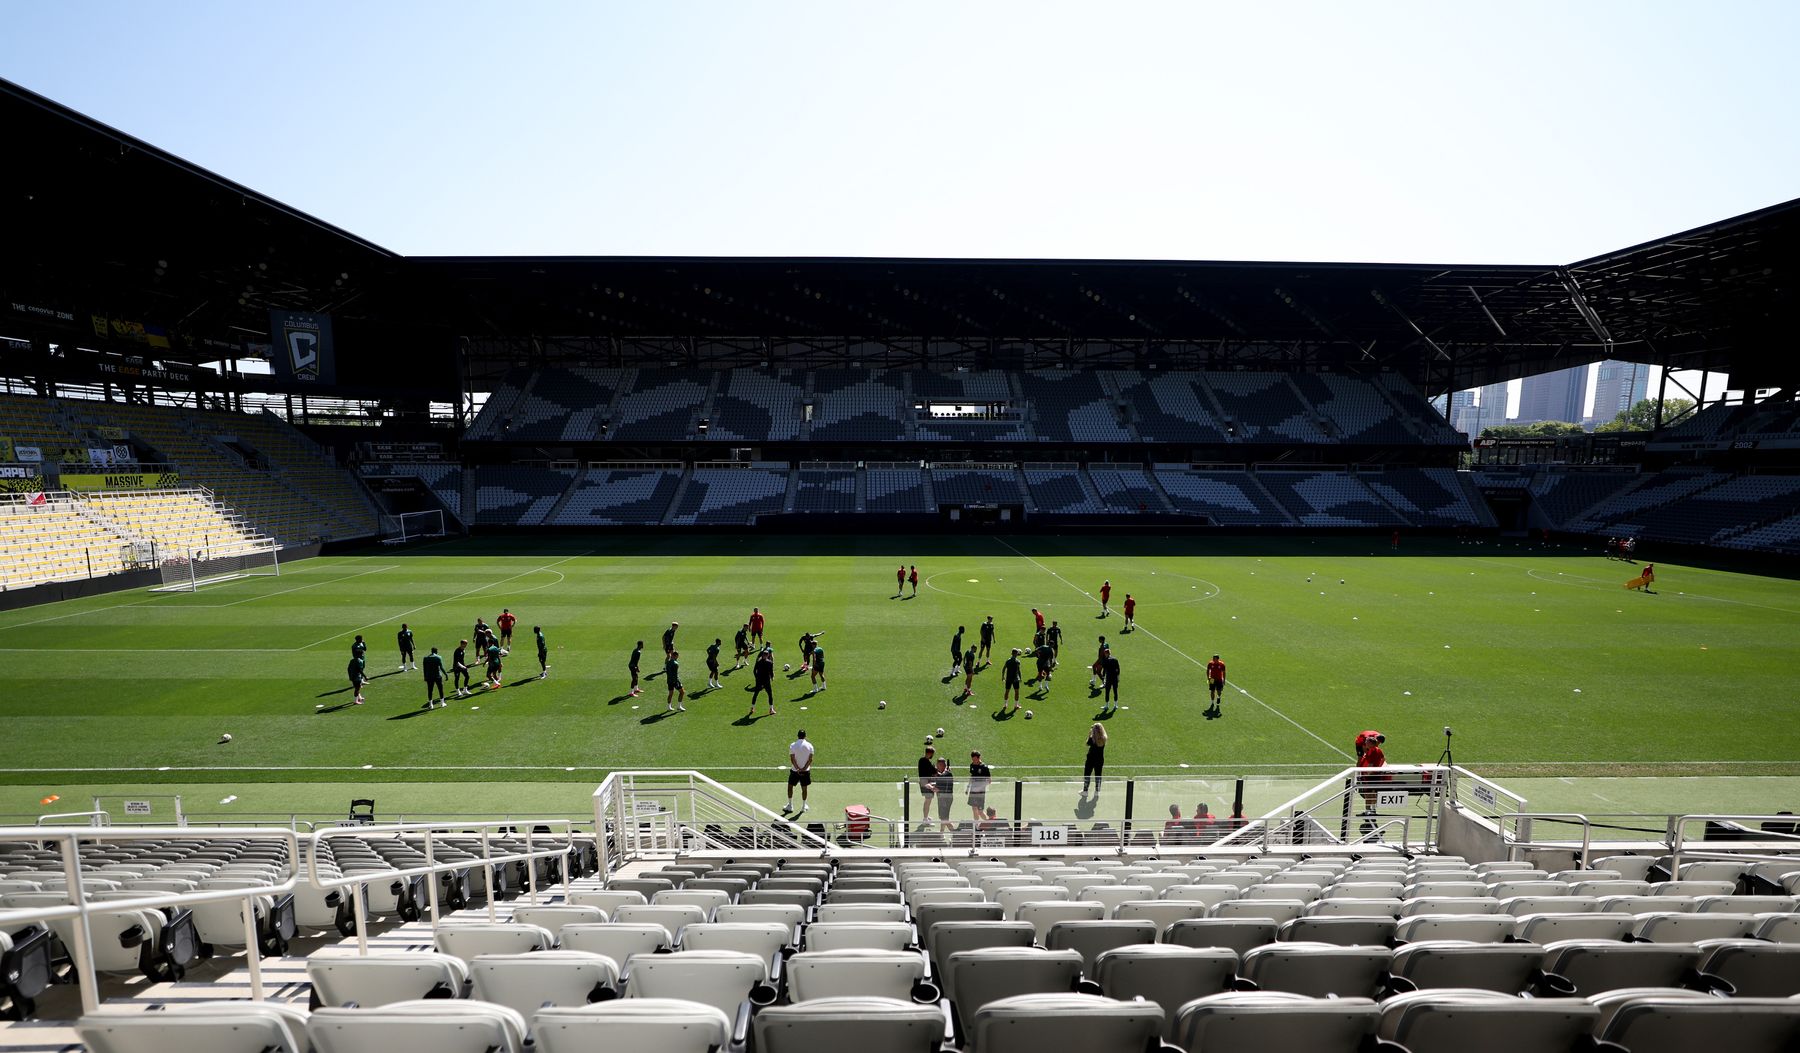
722,979
1594,966
1549,928
948,937
975,978
932,913
779,913
1273,1022
553,917
205,1027
641,1025
1507,968
1754,968
382,979
1317,969
1343,931
859,973
766,940
1662,1022
848,935
1031,1023
1238,934
1692,928
1161,913
437,1025
670,916
617,940
1274,910
1041,916
466,939
867,1025
1353,908
1092,938
1471,1021
528,982
1168,976
607,900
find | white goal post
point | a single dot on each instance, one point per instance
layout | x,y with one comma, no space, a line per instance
412,526
211,567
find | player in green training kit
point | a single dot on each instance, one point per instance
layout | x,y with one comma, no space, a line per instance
405,639
434,678
712,663
459,669
356,675
493,663
543,651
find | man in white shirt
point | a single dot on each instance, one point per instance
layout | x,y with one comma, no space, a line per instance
800,759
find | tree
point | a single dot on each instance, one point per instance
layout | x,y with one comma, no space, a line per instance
1543,429
1642,417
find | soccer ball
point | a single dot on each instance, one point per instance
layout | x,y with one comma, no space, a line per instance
786,667
928,740
940,733
1028,714
225,737
881,704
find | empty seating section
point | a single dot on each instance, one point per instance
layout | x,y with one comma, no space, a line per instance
825,491
1620,511
1167,407
178,522
1431,497
857,405
40,423
1357,410
1328,499
731,495
1265,408
496,414
1227,498
1563,496
56,541
280,482
975,487
518,496
1061,491
969,429
753,406
1213,951
1725,509
1782,535
660,407
1425,417
1071,406
898,490
563,405
1125,488
445,481
967,387
619,497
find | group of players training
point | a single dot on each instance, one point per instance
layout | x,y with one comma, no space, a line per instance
492,645
751,647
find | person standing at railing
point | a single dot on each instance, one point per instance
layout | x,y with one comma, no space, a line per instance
1096,758
980,777
1369,755
928,781
800,762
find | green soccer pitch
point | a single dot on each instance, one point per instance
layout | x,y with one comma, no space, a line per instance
1544,665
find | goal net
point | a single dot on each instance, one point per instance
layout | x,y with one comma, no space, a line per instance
214,566
412,526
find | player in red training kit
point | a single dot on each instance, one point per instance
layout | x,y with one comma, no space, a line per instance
505,624
756,624
912,575
1039,615
1130,609
1215,686
900,580
1105,596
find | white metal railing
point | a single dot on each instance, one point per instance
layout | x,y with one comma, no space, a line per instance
1678,839
664,812
100,818
79,909
427,837
1363,806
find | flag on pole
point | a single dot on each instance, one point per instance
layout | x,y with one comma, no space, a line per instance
35,499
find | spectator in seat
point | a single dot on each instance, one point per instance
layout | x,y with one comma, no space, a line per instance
1177,830
1204,823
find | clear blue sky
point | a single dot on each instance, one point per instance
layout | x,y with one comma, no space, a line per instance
1537,132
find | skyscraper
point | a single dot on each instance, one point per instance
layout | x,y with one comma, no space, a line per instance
1618,386
1561,395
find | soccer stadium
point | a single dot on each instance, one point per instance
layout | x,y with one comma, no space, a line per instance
429,651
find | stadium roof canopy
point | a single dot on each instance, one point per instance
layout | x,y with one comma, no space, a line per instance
103,224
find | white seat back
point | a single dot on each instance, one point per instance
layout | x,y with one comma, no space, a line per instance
721,979
1272,1022
858,935
553,917
383,979
435,1024
763,939
642,1025
1042,915
209,1027
671,916
1032,1023
618,940
867,1025
466,939
1168,976
854,973
527,982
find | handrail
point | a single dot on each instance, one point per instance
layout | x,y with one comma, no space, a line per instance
1514,845
78,909
105,817
357,881
1678,829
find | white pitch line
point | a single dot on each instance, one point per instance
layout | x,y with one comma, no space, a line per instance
1321,741
447,599
284,592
